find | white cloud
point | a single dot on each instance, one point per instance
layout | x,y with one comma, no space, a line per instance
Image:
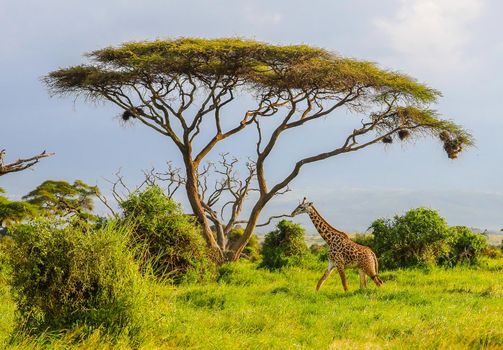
432,33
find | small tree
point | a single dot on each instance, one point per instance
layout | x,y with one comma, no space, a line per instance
416,238
285,246
180,88
20,164
61,199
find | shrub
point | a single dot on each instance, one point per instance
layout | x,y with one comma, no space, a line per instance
65,276
364,239
320,251
417,238
285,246
252,249
465,246
493,252
171,241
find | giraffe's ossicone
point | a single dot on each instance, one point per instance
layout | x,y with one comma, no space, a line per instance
342,251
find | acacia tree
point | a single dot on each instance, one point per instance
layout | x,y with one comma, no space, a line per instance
179,88
20,164
62,199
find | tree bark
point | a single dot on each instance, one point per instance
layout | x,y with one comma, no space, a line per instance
238,246
194,198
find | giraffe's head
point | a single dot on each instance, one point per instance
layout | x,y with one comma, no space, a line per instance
303,207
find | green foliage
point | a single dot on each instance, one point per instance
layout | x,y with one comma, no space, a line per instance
171,241
285,246
465,246
261,68
252,249
66,276
320,251
61,199
14,211
364,239
493,252
417,238
253,62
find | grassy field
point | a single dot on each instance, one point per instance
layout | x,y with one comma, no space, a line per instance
250,308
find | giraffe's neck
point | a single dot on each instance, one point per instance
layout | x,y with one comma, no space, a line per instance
322,226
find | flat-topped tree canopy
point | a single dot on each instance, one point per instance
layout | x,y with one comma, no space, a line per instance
251,62
266,68
156,82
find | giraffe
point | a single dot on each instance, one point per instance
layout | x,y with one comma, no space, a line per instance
343,252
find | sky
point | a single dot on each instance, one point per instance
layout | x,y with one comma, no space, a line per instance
454,46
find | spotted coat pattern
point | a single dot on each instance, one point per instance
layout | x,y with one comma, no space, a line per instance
343,252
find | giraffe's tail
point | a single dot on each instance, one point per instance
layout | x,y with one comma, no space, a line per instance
376,278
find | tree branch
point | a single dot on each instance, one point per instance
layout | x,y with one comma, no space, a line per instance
20,164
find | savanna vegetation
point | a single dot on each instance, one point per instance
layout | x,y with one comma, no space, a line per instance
152,275
145,279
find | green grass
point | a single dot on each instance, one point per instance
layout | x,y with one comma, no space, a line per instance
248,308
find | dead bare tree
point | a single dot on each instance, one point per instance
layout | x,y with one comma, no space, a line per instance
180,88
223,191
20,164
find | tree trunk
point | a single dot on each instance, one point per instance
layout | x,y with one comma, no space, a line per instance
192,190
236,248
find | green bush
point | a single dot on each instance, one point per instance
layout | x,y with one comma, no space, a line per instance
320,251
285,246
364,239
65,276
171,240
465,246
252,249
417,238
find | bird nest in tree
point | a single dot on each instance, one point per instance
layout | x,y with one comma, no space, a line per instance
131,113
453,145
403,134
387,139
444,136
453,148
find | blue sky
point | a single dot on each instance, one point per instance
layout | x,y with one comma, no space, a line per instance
453,45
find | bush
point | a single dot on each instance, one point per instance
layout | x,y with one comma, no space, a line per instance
493,252
171,241
320,251
417,238
65,276
465,246
285,246
364,239
252,249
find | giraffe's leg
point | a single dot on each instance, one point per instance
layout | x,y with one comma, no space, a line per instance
325,275
363,278
343,277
